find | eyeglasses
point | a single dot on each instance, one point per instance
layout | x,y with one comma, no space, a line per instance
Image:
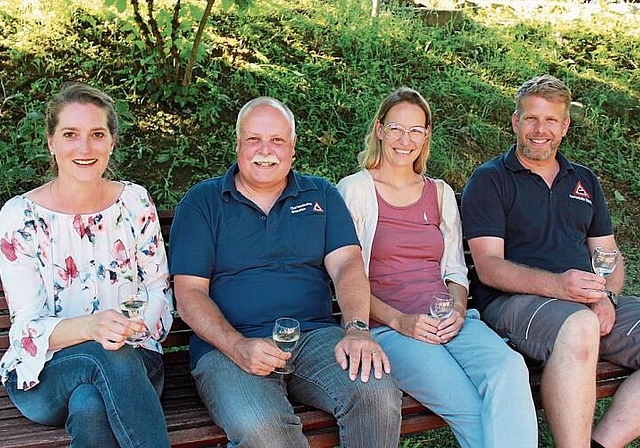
395,131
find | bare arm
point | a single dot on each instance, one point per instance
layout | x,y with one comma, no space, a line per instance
495,271
356,350
346,269
253,355
109,328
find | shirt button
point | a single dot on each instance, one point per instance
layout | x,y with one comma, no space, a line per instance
264,218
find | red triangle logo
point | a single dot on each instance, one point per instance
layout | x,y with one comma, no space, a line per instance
579,190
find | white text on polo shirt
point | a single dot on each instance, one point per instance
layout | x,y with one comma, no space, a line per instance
581,198
299,208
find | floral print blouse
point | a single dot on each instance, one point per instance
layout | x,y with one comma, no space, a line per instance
55,265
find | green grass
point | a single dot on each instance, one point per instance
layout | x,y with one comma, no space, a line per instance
443,437
332,64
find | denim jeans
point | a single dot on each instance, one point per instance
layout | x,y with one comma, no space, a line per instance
254,410
105,398
476,383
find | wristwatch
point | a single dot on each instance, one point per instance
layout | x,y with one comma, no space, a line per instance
357,324
613,297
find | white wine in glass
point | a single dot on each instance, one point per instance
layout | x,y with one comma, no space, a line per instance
442,305
133,299
604,261
286,333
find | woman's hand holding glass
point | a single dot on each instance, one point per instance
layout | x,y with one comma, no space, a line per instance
134,298
422,327
439,326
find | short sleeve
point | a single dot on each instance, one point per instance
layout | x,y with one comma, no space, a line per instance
192,249
482,210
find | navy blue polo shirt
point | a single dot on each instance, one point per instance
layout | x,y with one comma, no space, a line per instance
542,227
261,267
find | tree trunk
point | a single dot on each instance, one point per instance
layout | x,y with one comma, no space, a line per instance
196,43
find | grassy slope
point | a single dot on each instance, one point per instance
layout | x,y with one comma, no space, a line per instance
332,64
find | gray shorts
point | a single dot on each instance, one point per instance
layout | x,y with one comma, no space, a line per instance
531,324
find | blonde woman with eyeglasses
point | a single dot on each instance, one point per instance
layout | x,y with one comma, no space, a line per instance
410,231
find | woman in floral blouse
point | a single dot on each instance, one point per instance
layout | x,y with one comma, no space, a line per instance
66,246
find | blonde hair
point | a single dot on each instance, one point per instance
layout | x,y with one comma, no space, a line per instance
371,156
545,86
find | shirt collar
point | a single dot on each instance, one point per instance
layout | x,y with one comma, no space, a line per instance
296,183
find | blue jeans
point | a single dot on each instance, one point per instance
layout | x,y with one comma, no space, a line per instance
476,383
104,398
254,410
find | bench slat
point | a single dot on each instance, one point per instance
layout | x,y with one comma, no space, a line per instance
5,323
4,342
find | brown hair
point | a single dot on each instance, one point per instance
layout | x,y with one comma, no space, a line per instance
77,92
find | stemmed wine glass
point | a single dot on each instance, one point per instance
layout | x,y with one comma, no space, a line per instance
604,261
133,298
442,305
286,332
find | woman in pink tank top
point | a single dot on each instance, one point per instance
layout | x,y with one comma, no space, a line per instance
411,238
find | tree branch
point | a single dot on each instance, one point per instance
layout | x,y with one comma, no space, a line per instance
153,24
175,54
196,43
144,29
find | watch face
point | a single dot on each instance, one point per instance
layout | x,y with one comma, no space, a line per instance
359,324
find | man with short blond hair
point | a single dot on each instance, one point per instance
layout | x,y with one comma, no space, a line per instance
532,218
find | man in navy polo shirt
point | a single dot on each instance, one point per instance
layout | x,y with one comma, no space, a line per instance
532,218
259,243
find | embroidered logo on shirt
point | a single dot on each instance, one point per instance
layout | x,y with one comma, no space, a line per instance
315,207
424,215
580,193
299,208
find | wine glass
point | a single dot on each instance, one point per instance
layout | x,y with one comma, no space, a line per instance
442,305
133,298
604,261
286,332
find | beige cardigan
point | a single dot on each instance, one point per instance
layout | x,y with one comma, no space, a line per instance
359,193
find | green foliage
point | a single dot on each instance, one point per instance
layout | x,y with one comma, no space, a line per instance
332,63
169,49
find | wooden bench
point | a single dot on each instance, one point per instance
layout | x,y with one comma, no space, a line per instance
188,422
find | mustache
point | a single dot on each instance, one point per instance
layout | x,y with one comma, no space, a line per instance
262,159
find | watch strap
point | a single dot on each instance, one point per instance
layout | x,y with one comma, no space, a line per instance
613,297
